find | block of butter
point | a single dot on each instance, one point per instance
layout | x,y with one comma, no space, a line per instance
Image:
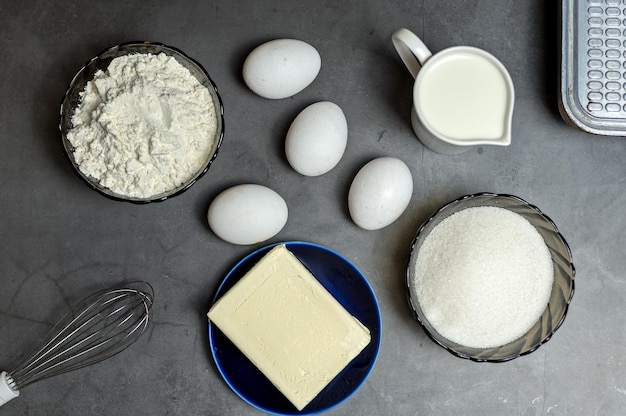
293,330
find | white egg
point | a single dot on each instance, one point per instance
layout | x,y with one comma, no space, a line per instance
380,192
247,214
281,68
317,139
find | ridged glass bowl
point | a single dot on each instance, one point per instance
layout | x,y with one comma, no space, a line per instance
71,100
562,288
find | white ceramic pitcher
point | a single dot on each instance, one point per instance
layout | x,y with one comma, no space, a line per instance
462,97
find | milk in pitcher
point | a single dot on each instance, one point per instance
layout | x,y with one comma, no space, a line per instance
464,97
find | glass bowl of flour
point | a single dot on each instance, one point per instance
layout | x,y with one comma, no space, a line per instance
489,277
141,122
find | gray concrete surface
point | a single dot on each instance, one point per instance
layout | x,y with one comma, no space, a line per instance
60,240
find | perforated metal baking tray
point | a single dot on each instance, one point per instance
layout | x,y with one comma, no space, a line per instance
593,65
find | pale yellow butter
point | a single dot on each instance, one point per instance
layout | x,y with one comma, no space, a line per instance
289,326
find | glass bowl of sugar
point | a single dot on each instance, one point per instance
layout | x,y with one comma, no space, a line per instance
141,122
489,277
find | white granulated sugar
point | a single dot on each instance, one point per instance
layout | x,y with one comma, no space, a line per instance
144,127
483,277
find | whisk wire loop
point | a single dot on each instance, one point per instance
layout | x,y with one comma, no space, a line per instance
100,326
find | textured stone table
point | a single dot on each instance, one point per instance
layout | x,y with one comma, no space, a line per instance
60,240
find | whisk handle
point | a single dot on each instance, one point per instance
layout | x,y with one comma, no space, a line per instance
7,391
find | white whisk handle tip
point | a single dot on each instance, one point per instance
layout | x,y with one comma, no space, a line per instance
7,390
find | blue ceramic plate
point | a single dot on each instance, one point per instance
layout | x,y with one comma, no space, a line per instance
346,283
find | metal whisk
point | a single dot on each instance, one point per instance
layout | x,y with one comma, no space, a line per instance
100,326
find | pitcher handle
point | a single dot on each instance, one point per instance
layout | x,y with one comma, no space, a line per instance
411,49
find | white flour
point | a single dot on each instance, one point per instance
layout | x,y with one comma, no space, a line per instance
143,127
